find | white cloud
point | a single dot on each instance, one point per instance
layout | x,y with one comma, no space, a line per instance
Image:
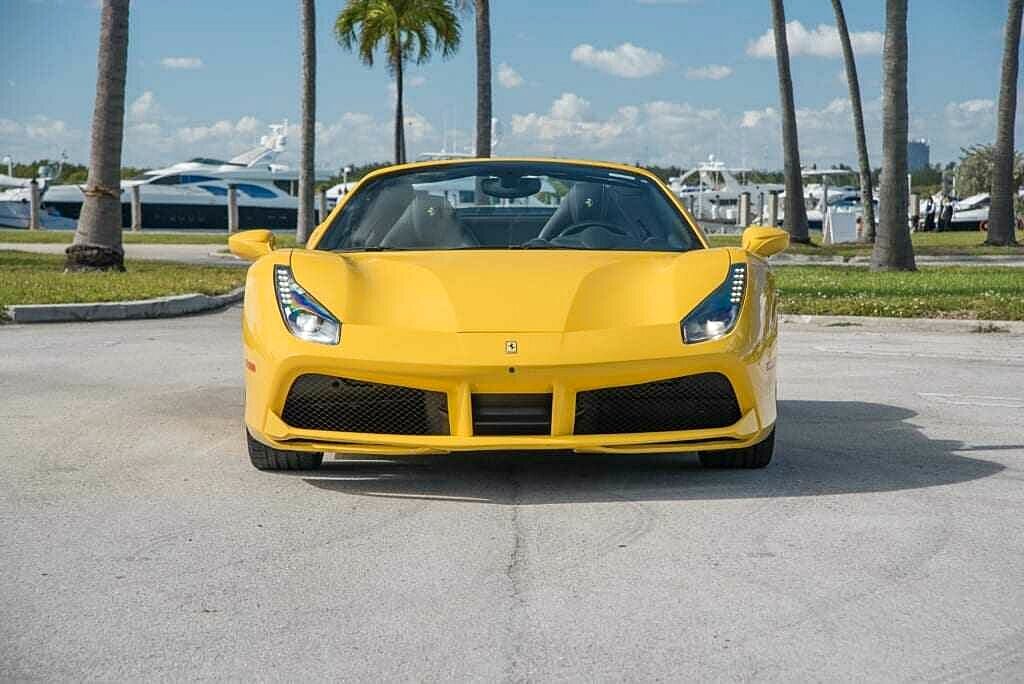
181,63
970,114
822,41
626,60
711,72
417,81
143,107
569,106
508,77
754,117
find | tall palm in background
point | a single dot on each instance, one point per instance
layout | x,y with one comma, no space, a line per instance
796,212
1001,224
307,176
484,100
866,191
97,241
407,31
893,249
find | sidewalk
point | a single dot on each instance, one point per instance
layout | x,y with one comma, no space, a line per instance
205,255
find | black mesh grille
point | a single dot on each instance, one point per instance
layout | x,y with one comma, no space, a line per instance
322,402
511,414
693,402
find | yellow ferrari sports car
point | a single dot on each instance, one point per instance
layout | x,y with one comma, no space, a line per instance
509,304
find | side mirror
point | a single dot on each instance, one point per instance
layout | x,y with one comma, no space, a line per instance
251,244
764,241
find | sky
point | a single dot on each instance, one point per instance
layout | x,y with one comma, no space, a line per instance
649,81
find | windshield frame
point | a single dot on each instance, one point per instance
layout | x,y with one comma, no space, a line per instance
688,223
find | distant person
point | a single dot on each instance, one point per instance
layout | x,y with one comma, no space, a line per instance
929,214
860,227
946,218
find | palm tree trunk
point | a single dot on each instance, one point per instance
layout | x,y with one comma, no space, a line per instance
97,242
1001,224
399,114
307,177
866,191
796,212
483,78
893,249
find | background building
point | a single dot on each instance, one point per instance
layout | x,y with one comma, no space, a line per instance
918,154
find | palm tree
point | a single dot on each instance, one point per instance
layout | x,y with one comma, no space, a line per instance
306,220
866,191
403,28
893,249
482,9
97,242
1001,224
796,212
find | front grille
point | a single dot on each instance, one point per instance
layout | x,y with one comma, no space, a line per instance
511,414
323,402
693,402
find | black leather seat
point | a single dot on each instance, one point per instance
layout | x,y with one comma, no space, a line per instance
632,210
429,222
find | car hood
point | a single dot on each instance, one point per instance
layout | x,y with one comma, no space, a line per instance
510,290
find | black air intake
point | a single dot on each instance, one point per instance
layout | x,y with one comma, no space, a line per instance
323,402
511,414
693,402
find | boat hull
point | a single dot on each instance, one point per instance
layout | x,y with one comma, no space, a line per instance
156,216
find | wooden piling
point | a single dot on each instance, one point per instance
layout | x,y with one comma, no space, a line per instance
136,209
35,200
232,208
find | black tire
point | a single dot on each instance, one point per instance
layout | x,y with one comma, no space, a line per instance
757,456
268,458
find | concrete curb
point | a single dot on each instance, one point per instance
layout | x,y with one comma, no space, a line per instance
158,307
926,260
947,325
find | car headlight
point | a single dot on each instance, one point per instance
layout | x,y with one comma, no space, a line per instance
718,313
305,317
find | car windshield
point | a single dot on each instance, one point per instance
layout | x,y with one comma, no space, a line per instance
510,205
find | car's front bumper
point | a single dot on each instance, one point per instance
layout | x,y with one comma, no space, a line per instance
541,365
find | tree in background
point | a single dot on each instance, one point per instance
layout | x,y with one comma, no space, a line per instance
976,170
407,31
307,173
866,190
1001,225
893,249
97,242
796,212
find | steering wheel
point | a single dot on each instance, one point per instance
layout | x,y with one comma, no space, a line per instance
578,228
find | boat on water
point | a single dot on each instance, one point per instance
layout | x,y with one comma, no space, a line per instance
193,195
971,212
838,189
16,199
713,190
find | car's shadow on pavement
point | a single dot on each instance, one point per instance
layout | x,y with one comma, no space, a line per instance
822,447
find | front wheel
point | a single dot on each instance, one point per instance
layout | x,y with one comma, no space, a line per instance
268,458
757,456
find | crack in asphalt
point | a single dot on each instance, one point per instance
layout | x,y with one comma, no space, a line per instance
514,574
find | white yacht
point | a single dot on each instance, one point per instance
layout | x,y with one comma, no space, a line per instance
193,194
714,190
970,212
15,199
842,187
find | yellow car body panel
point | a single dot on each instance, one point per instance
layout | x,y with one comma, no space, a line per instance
442,321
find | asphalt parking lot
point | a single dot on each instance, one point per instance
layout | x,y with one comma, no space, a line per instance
886,542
